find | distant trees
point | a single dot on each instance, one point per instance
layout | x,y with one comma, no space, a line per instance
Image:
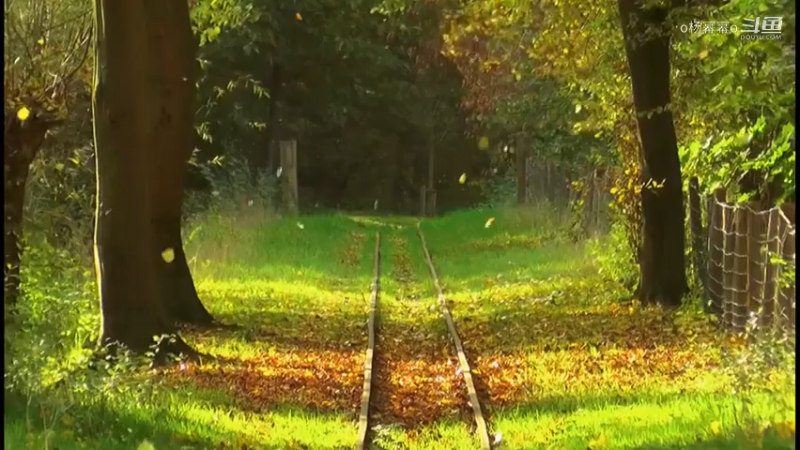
46,45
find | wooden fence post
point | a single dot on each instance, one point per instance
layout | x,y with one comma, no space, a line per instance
772,271
715,255
757,263
521,169
423,196
696,226
786,298
728,258
289,172
740,280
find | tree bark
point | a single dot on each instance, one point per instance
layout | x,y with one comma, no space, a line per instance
172,48
662,264
124,118
275,83
522,179
22,141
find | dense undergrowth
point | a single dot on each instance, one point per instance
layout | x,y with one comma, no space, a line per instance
563,356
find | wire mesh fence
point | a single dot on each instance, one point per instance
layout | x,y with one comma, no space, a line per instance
749,270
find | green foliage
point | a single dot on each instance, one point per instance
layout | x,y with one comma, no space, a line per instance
613,256
232,180
46,48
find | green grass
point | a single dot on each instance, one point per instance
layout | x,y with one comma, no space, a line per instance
564,357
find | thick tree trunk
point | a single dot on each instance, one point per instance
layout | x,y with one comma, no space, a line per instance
662,264
172,48
124,118
22,140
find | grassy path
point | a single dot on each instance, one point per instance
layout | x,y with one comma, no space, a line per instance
564,358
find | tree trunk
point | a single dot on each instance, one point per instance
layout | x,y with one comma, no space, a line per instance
172,48
22,141
522,179
124,118
276,79
663,271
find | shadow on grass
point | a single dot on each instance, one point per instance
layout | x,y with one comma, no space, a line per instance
93,426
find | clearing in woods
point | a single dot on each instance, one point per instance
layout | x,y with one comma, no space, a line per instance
561,356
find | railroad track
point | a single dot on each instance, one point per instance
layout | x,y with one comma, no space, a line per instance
365,423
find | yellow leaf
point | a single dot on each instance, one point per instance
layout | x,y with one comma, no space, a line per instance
462,179
168,255
40,41
489,222
298,17
614,191
716,427
483,143
785,429
146,445
703,54
23,114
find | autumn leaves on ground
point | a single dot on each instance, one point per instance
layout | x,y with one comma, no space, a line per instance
563,358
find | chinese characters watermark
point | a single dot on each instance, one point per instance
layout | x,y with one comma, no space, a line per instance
753,29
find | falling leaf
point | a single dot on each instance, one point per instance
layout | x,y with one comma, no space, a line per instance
298,17
146,445
40,41
483,143
300,225
279,172
168,255
578,108
462,179
489,222
375,206
498,437
23,114
703,54
716,427
249,203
